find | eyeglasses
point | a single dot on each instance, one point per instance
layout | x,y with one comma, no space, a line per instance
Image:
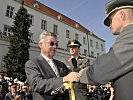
53,43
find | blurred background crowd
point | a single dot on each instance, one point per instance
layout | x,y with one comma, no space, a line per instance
13,89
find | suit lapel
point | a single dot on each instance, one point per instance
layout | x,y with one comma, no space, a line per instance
59,69
70,65
79,61
46,67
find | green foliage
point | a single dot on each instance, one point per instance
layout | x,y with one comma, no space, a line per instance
18,54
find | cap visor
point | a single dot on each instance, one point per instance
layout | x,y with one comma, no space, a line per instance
106,21
74,45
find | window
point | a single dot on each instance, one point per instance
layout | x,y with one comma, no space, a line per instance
7,30
102,48
31,18
97,46
44,24
55,29
76,37
84,40
92,53
67,34
85,52
9,11
31,37
91,43
98,54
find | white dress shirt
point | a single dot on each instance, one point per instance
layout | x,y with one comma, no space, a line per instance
52,65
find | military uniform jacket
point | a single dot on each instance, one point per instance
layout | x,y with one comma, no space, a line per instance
82,62
116,66
79,88
43,80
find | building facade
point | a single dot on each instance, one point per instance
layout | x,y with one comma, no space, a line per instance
44,18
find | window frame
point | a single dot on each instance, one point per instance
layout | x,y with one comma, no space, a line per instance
44,24
68,34
55,29
10,11
7,31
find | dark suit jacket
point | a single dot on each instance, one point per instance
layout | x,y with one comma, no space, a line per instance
116,66
3,88
9,96
43,80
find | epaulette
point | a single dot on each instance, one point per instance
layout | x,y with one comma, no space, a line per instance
69,59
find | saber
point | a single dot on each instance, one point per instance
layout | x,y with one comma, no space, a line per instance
69,86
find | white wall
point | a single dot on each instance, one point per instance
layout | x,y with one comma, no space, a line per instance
36,30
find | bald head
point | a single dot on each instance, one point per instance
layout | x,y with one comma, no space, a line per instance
129,14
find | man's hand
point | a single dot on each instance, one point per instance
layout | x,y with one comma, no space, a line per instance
72,77
18,97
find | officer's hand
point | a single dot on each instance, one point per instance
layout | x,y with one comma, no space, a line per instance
72,77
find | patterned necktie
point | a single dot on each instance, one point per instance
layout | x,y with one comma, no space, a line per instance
51,63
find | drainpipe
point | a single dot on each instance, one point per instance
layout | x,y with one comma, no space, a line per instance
87,34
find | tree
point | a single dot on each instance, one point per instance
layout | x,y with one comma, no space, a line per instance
18,54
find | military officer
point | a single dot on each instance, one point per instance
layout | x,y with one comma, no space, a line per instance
116,65
76,63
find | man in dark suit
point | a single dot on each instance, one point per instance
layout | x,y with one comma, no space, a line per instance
45,74
75,63
117,64
3,86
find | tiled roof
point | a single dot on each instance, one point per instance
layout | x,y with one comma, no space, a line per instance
53,13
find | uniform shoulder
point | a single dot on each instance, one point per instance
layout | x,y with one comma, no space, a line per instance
82,58
69,59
